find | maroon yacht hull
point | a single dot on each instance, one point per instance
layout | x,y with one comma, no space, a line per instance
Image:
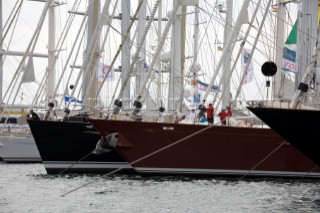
217,151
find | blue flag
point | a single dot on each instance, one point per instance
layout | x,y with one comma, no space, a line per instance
67,98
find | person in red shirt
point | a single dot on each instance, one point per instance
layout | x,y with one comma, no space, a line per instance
229,111
223,117
210,111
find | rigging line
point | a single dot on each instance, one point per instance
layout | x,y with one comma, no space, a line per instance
95,64
10,16
234,84
142,91
274,23
91,49
9,43
132,43
256,81
67,27
252,50
237,57
228,46
210,15
153,23
74,61
77,80
266,45
213,55
149,71
264,159
14,80
30,49
269,39
264,8
14,18
33,39
289,16
190,74
185,83
58,49
144,157
219,19
60,43
263,35
122,44
299,30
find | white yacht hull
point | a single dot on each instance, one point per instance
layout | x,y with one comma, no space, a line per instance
20,149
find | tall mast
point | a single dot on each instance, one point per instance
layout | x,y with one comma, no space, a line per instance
182,53
142,55
279,49
195,42
175,76
159,81
51,53
226,98
307,34
306,52
92,24
125,54
1,58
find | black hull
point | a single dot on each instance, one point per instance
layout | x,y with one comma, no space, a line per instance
63,147
298,127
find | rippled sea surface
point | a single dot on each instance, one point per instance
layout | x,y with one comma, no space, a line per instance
27,188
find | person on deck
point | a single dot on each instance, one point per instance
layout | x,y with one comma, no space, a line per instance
210,113
223,117
202,110
229,111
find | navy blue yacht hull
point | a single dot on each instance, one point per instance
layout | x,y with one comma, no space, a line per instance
67,147
298,127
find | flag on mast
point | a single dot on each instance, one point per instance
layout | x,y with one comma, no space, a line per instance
102,71
289,50
245,57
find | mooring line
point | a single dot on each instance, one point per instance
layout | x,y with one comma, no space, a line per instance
264,159
144,157
311,170
168,146
271,153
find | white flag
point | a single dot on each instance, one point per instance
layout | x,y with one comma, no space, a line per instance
245,57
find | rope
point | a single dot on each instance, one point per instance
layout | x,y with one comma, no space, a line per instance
142,158
311,170
173,144
258,164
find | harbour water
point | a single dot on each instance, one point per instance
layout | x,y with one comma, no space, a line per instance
27,188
